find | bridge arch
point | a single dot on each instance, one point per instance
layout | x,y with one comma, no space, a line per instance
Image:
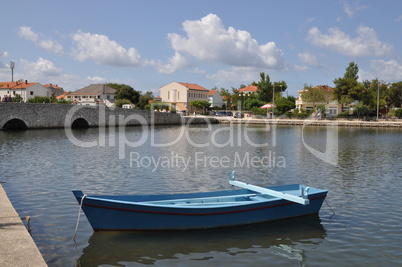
80,123
15,124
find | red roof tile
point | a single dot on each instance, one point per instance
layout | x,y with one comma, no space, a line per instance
212,92
193,86
15,85
250,88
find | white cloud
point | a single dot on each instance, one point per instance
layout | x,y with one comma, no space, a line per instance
51,46
27,33
3,54
398,19
47,44
300,68
308,58
198,70
175,63
95,79
350,10
390,71
208,40
40,69
365,44
235,75
104,51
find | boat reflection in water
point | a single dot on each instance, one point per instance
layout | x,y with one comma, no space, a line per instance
281,237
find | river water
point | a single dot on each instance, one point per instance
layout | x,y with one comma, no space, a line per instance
358,225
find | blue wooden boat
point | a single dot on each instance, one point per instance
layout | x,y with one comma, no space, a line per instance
251,204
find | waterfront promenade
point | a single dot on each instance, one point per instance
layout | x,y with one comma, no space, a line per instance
310,122
17,247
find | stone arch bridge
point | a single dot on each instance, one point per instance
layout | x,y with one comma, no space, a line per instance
22,116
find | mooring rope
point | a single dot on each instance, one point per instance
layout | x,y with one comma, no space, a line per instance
330,208
78,218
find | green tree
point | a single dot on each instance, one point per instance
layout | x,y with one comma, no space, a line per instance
264,88
348,88
227,96
143,102
370,95
283,105
394,94
125,92
361,110
312,94
200,104
352,72
17,98
251,103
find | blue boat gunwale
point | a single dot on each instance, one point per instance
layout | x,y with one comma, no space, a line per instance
156,212
148,201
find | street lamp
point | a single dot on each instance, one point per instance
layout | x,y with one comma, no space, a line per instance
273,101
378,99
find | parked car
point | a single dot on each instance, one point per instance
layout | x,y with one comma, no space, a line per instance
239,115
220,113
229,113
249,114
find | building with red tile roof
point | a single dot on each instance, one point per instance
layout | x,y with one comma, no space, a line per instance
179,95
56,90
332,107
92,95
249,89
25,89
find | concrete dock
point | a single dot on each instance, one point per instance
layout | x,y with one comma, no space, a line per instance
17,247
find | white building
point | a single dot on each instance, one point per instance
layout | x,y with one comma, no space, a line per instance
25,89
92,95
215,98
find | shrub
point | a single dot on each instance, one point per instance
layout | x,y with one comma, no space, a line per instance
119,103
398,113
40,99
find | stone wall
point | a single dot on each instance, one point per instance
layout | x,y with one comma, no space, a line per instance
35,116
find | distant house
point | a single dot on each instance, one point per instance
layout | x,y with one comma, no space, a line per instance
179,95
55,89
93,95
215,98
251,89
332,107
25,89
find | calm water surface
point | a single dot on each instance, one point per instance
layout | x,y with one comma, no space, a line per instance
358,225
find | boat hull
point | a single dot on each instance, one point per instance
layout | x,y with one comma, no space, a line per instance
127,213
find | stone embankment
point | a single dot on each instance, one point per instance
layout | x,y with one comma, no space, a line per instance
17,247
349,123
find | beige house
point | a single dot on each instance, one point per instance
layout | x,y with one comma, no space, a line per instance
332,107
179,95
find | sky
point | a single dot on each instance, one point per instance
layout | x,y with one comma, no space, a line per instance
213,43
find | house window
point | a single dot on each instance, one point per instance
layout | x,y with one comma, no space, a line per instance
168,94
178,95
31,92
108,96
333,111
